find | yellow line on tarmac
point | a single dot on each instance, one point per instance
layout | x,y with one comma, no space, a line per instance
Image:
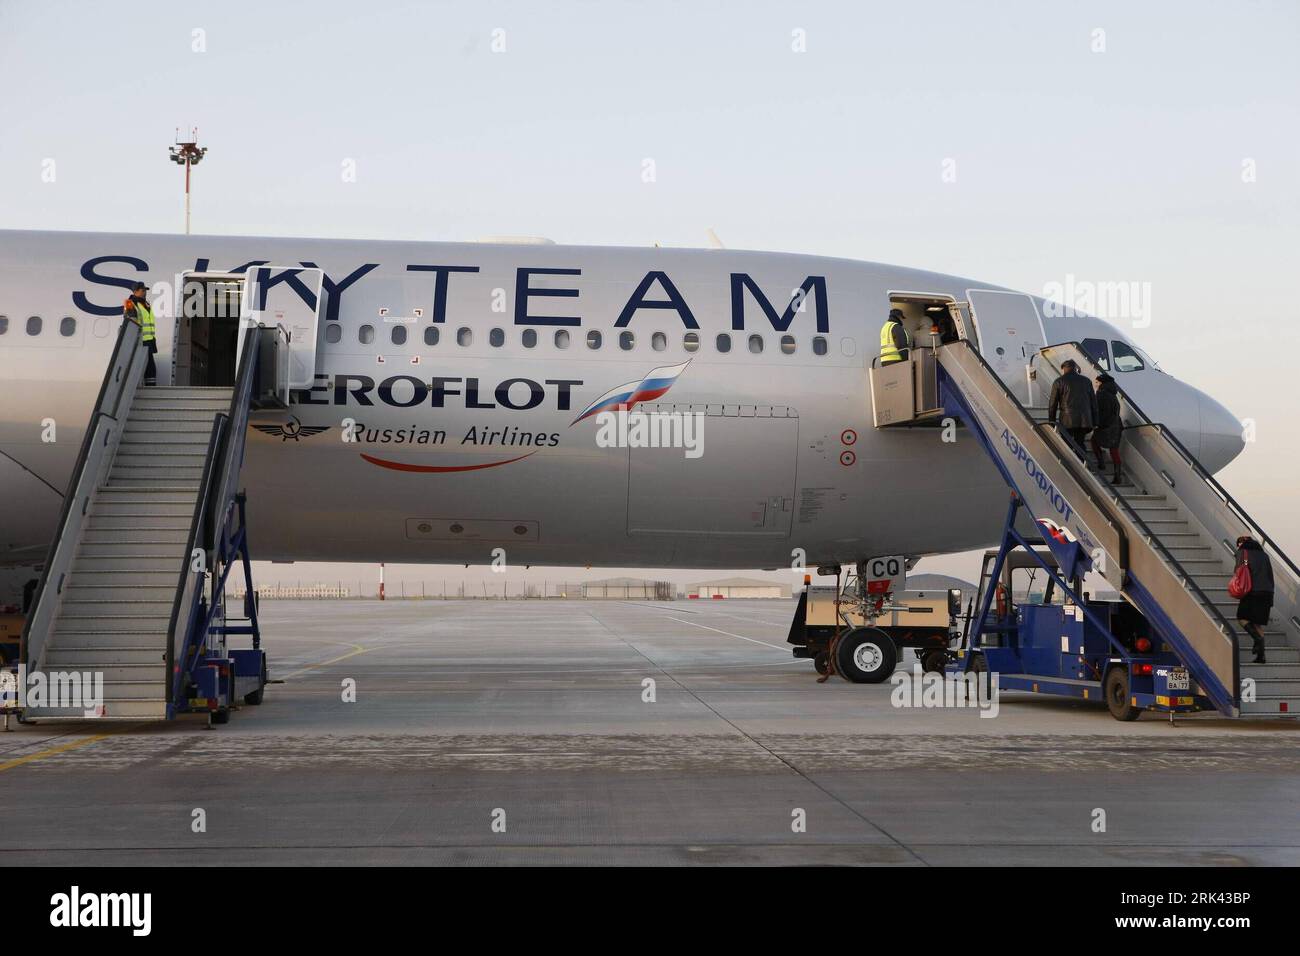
41,754
333,660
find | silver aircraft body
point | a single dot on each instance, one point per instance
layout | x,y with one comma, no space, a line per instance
450,386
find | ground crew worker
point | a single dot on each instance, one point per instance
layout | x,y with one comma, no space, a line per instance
894,340
1076,404
136,308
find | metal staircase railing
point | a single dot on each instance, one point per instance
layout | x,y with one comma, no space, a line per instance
1207,502
214,510
98,449
1141,557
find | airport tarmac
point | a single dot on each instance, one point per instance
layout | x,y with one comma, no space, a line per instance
470,712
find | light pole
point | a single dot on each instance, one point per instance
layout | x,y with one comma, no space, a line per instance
187,153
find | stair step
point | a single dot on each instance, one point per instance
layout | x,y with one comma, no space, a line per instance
157,536
177,521
132,551
142,456
160,588
70,657
151,491
70,621
1282,705
142,708
108,583
104,569
145,507
146,604
1275,669
104,640
145,475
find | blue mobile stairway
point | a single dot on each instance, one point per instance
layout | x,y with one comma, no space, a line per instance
1165,539
133,587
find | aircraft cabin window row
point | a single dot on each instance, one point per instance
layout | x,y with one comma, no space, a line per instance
35,325
594,339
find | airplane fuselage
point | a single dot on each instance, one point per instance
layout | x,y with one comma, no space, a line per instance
463,429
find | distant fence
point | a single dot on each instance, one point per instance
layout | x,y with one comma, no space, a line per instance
442,590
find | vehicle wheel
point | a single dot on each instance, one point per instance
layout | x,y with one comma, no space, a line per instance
1118,699
934,661
822,661
221,716
255,697
866,656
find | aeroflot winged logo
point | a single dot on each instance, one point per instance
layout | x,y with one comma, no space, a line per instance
621,398
624,398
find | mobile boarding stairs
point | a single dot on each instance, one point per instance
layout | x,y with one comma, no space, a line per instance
133,587
1165,539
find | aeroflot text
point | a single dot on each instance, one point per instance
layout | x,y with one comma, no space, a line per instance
1031,469
407,391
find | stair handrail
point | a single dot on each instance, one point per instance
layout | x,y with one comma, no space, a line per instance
1149,537
190,584
1199,469
232,453
212,512
1067,464
1156,543
125,369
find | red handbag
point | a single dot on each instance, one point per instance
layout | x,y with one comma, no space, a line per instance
1240,585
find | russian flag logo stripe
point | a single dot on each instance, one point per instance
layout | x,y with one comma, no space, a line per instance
623,398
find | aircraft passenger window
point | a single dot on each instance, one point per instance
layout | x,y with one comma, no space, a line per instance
819,345
691,341
431,335
626,340
756,344
333,332
496,338
399,335
34,325
561,338
530,338
787,344
366,334
659,341
1096,349
464,336
4,324
593,339
724,342
67,327
1126,360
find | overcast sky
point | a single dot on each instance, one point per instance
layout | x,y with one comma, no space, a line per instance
1016,142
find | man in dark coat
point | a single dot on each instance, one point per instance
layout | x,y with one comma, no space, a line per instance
1109,425
1254,609
1073,404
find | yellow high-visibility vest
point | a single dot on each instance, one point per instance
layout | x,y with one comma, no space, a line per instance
889,352
144,317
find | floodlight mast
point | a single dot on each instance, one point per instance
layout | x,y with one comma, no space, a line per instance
187,153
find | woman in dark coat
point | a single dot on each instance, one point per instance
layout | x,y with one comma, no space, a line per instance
1109,426
1254,609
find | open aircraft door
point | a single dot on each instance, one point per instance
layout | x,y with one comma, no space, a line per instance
288,298
1010,334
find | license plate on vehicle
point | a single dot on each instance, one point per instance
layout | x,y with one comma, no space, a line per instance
1178,679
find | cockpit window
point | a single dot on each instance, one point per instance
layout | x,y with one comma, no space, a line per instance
1126,359
1096,349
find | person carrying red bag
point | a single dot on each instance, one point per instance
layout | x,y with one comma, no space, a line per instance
1252,586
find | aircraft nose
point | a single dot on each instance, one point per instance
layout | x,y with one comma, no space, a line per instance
1221,435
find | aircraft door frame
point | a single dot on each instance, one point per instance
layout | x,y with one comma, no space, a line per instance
280,303
1010,331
